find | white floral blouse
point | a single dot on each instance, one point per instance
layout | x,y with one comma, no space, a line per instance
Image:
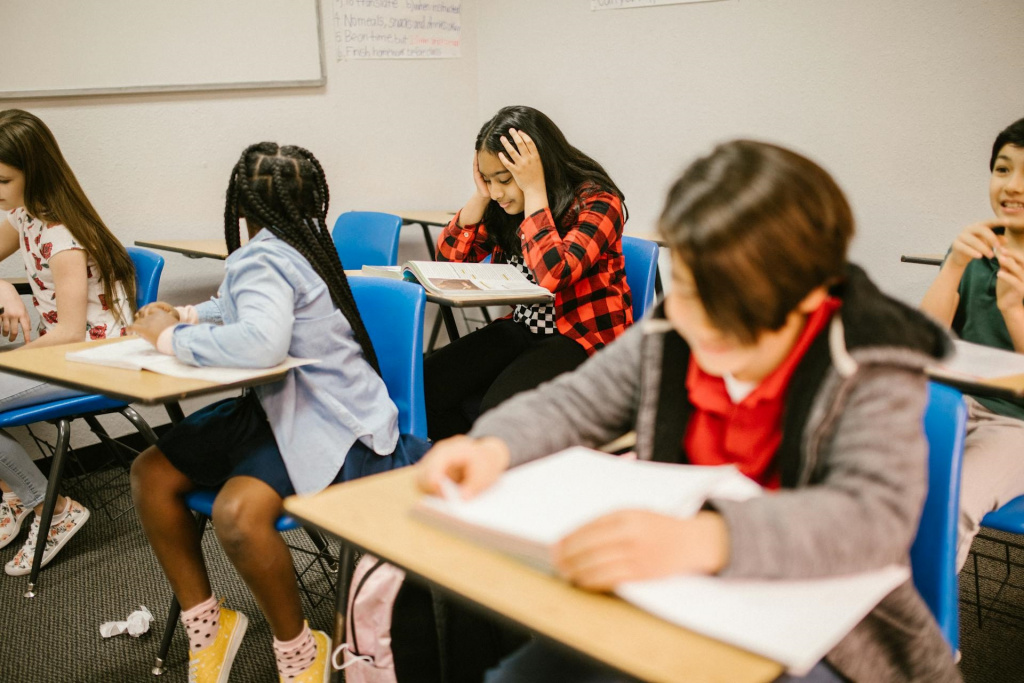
39,242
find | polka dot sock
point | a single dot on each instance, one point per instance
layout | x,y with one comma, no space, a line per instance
296,655
201,623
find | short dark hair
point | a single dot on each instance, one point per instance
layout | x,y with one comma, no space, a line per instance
1011,135
759,227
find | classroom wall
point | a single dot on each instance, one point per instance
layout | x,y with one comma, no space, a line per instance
901,101
391,134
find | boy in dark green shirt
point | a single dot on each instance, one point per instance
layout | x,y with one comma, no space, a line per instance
979,293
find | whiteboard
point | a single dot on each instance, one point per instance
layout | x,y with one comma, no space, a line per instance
57,48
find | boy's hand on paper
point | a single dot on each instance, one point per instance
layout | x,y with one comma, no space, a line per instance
154,321
473,464
523,161
633,545
975,241
13,314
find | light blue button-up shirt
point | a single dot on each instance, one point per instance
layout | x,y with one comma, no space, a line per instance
272,304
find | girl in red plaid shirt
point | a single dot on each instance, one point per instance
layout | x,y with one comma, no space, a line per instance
548,208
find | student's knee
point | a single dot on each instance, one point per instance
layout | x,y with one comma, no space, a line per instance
151,472
241,514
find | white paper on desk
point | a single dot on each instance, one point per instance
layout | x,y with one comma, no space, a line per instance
794,623
139,354
983,362
533,506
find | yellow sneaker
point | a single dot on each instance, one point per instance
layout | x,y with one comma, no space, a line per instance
320,670
212,664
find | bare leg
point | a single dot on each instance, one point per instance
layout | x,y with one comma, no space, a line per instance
244,515
158,489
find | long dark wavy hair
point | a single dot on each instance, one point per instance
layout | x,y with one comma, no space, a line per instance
568,173
53,195
284,190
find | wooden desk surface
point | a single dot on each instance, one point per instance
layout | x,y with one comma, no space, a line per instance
1010,386
216,249
134,386
435,218
373,514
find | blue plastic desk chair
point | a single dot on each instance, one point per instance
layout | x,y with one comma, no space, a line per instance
933,555
148,267
367,238
392,311
641,267
1008,519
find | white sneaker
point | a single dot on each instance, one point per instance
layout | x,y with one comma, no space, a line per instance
12,514
60,533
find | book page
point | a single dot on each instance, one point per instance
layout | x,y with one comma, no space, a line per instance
139,354
792,622
983,362
538,503
469,279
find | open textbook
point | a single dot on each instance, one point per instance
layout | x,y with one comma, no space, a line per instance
533,506
976,364
466,281
139,354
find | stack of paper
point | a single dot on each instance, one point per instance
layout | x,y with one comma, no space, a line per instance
533,506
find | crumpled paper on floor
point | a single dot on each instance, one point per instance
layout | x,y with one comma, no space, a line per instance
136,624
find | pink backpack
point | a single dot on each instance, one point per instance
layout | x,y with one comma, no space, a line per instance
367,649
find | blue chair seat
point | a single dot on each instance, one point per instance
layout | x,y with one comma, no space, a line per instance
202,502
55,410
1009,518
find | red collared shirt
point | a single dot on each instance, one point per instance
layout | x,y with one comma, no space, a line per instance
746,434
585,268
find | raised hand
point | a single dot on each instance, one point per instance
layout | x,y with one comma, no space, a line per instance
975,241
523,161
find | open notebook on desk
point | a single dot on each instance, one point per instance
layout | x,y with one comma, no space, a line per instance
465,281
982,370
139,354
533,506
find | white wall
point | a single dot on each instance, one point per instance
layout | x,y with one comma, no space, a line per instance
901,101
390,134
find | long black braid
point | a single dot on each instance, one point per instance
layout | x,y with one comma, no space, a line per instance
284,190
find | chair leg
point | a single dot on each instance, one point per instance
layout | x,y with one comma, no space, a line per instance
173,614
977,588
140,424
321,547
49,502
346,569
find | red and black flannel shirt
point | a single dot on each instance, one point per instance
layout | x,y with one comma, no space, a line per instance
585,269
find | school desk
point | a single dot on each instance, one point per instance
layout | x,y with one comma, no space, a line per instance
923,259
426,220
372,514
215,249
133,386
1010,386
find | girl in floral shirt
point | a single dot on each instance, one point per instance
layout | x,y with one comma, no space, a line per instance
83,287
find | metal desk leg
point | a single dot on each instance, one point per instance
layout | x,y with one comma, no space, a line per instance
341,607
449,323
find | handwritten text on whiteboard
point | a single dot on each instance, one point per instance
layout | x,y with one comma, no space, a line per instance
397,29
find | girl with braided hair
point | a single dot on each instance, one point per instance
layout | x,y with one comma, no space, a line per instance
284,292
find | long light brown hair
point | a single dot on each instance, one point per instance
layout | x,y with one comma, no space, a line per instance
53,195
